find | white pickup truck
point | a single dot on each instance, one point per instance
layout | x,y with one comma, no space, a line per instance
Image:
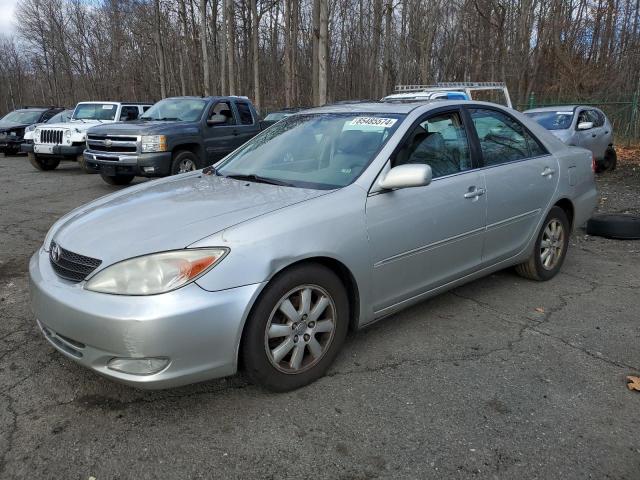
66,141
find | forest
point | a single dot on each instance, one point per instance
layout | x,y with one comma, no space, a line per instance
300,53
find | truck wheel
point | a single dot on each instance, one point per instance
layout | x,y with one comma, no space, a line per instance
184,161
118,179
43,163
83,165
610,159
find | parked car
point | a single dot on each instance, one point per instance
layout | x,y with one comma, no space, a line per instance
278,115
14,124
327,221
496,92
61,117
176,135
53,143
580,126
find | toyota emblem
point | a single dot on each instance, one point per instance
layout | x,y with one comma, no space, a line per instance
55,252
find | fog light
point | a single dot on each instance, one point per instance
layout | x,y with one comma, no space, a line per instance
149,169
138,366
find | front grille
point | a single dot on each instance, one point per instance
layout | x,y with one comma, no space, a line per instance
112,143
51,136
66,344
69,265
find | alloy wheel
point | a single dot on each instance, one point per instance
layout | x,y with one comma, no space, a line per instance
300,329
552,244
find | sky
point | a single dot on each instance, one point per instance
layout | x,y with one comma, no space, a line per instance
7,8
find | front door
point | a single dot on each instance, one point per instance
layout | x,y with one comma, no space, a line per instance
521,178
220,139
425,237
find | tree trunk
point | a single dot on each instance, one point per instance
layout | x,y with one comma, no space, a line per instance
255,41
160,50
205,52
323,52
231,46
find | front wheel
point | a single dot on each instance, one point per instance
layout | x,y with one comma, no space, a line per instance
296,328
184,161
43,164
118,179
550,249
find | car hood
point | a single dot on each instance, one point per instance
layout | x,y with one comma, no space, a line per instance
168,214
141,127
562,135
11,125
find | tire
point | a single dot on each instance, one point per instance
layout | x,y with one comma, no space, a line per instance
610,160
301,330
536,267
43,164
619,226
118,179
83,165
184,161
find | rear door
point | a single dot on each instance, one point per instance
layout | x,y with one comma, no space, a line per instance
248,125
521,178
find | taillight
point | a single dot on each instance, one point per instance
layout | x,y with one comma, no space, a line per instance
593,163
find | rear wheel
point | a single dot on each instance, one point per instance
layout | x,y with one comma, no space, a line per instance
43,163
550,248
296,328
118,179
610,159
184,161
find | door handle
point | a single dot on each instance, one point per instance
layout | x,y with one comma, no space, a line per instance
547,172
593,135
474,192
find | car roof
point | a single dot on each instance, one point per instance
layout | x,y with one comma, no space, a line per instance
398,107
553,108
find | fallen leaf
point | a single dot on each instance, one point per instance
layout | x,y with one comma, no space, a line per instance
634,383
539,309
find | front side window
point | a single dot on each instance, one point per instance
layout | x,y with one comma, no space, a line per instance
245,113
95,111
128,112
176,109
322,150
502,139
440,142
223,108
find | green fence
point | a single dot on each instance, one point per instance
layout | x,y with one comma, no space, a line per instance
623,112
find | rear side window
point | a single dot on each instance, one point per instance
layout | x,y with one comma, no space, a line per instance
598,118
245,113
502,139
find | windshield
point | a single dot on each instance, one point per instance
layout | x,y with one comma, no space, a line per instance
553,120
274,117
324,151
22,116
95,111
62,117
183,109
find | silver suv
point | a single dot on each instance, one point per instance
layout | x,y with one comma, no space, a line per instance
580,126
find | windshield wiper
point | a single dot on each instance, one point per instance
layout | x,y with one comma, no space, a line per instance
258,179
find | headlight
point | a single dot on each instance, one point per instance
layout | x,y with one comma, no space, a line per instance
156,273
13,134
154,143
30,128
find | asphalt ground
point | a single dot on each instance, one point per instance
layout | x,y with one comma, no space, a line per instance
501,378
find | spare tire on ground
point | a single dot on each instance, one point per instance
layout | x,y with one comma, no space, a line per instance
620,226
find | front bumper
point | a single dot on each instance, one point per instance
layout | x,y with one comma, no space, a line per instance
10,144
156,164
60,151
198,331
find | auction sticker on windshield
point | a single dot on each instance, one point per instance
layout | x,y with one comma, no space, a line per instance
374,121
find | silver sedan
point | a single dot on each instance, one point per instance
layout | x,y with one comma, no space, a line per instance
326,222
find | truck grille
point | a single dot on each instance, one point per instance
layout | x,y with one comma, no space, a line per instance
51,136
69,265
112,143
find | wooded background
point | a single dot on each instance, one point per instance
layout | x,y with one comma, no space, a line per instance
288,53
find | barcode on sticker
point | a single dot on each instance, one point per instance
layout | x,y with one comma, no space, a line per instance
374,121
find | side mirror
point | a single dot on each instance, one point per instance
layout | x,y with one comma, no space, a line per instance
407,176
585,125
217,119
